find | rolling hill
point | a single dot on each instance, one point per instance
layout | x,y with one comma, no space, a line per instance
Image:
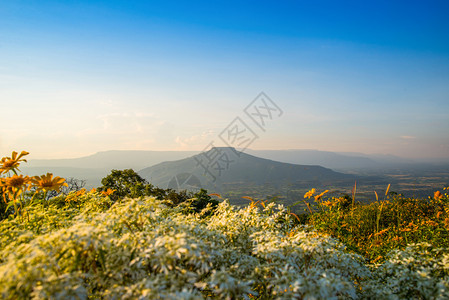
94,167
113,159
253,168
242,169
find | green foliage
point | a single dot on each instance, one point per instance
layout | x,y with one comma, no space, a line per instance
130,240
125,183
420,271
3,210
177,197
128,183
83,245
377,228
201,200
142,248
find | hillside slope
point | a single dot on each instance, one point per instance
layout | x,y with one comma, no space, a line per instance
245,168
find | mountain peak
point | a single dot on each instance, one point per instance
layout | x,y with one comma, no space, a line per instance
212,170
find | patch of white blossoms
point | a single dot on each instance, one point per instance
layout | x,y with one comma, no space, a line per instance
418,272
143,249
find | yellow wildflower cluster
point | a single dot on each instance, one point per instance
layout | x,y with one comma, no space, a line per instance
253,203
318,197
437,195
309,193
13,187
73,196
381,232
76,196
12,163
107,192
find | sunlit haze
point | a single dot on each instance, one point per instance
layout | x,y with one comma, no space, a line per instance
78,77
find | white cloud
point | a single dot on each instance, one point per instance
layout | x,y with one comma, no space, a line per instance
407,137
128,121
195,142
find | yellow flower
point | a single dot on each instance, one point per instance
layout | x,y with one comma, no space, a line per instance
377,259
74,196
14,186
12,163
437,195
318,197
328,203
381,232
47,182
309,194
107,192
430,223
253,204
70,197
388,188
397,239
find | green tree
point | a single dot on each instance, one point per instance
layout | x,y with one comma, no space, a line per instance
125,183
202,199
128,183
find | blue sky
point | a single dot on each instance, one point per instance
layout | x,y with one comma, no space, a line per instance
77,77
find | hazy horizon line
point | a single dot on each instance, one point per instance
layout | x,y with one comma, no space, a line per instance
347,153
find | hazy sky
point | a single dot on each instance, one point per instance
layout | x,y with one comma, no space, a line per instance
77,77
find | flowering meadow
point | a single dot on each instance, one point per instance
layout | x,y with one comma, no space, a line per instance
87,245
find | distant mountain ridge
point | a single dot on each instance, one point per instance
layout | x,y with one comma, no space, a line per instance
114,159
95,167
139,159
244,168
326,159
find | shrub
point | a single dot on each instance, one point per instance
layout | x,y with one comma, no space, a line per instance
377,228
144,248
420,271
126,183
180,245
